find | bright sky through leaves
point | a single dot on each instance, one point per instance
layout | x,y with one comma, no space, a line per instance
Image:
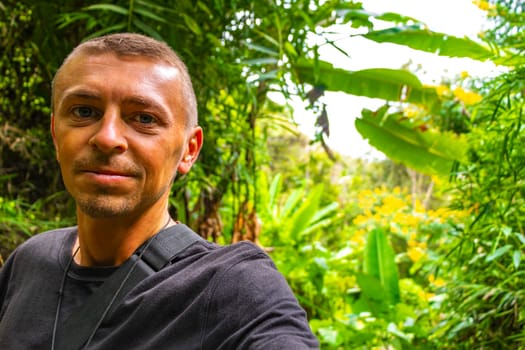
455,17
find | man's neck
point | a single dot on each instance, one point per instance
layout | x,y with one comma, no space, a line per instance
111,241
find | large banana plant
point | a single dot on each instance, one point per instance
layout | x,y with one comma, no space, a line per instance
427,151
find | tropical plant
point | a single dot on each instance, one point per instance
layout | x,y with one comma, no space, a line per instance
448,279
485,259
26,159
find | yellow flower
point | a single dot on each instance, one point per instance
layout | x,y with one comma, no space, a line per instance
442,90
360,219
392,204
412,242
467,97
483,5
419,207
411,111
429,296
359,238
415,253
437,282
464,74
366,199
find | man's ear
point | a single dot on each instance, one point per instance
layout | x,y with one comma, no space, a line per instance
53,135
193,147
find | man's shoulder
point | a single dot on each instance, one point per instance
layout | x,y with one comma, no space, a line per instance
45,242
49,237
210,263
232,266
226,256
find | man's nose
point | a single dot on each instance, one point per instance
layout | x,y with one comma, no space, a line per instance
109,135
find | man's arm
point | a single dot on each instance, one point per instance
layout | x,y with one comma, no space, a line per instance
252,307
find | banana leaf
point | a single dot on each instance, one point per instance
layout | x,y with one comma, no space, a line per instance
418,147
441,44
386,84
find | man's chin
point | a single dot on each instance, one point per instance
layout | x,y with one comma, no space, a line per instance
101,209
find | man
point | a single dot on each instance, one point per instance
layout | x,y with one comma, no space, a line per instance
124,123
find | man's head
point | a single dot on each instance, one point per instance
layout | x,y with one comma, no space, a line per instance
123,124
137,45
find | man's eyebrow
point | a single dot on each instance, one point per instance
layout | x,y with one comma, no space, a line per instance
81,93
88,94
138,100
143,102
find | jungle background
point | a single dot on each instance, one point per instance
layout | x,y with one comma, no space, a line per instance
422,250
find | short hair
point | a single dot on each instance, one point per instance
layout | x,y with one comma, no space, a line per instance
132,44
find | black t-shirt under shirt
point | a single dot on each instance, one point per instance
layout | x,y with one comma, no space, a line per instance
211,297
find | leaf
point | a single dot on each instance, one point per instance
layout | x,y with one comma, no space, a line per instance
386,84
429,151
274,74
290,49
498,252
261,61
329,335
147,29
371,287
372,297
67,19
150,15
205,8
356,17
267,37
291,203
316,225
158,8
325,211
302,218
521,237
516,258
111,29
108,7
433,42
262,49
379,262
395,17
274,192
363,17
192,25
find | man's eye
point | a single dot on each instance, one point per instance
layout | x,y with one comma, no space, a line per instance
83,112
145,118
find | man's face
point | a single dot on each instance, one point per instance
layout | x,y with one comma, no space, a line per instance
120,133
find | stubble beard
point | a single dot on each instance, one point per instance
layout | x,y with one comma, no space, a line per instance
104,205
101,207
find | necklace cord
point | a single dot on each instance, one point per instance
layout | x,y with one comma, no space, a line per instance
60,297
108,307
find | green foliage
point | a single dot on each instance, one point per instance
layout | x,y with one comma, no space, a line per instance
417,146
21,220
380,264
490,248
26,156
325,266
290,222
22,78
419,38
386,84
508,19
